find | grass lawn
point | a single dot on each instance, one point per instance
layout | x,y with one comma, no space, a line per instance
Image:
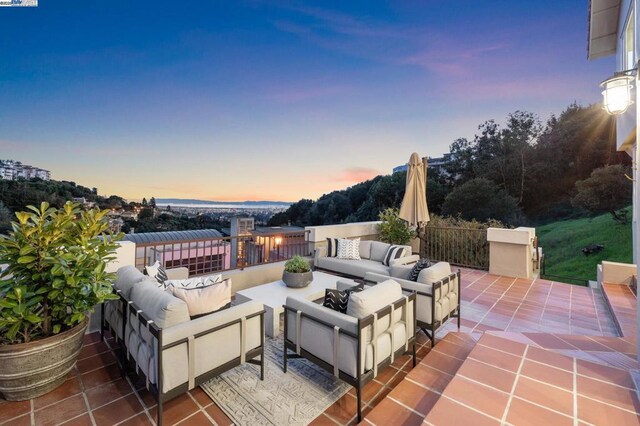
563,241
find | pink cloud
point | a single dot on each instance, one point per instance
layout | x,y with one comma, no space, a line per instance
354,175
453,60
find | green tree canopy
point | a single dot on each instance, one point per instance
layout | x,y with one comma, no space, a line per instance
607,190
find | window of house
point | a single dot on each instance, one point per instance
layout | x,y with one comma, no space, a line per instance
629,42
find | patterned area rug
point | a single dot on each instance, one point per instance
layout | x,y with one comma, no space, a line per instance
294,398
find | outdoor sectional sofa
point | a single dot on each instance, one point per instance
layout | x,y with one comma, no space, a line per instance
371,257
173,352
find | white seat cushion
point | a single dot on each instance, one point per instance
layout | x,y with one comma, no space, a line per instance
434,273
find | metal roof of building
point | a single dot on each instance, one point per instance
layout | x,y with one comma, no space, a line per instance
159,237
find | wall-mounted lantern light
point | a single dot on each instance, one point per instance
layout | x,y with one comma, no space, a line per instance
617,92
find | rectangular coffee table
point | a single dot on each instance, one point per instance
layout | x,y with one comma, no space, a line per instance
274,294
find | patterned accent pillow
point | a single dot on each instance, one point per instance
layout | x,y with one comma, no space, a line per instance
419,266
157,272
349,249
194,282
339,300
332,247
393,252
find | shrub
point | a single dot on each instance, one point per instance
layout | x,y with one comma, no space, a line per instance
393,229
56,270
607,190
296,265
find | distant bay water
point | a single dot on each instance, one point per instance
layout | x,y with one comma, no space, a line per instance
202,204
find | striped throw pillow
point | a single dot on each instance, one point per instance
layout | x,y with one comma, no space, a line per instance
394,252
157,272
332,247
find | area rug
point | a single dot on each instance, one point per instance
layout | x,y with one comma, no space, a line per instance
294,398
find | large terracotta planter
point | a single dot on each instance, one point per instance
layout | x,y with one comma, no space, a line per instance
28,370
297,279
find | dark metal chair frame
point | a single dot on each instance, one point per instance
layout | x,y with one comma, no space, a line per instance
156,390
361,379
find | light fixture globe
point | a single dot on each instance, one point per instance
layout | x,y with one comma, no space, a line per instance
617,93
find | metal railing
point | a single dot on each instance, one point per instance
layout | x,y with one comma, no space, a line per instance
560,278
459,246
209,255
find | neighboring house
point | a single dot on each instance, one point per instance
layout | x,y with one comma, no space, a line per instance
613,31
12,170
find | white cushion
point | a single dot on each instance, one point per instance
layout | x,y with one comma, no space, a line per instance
194,282
378,250
157,272
204,300
365,249
349,249
434,273
372,299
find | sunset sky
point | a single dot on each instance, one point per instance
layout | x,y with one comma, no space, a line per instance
273,100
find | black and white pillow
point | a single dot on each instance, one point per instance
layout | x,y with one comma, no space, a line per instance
332,247
349,249
393,252
339,300
195,282
157,272
419,266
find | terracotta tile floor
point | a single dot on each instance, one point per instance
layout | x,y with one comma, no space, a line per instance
95,394
623,304
535,386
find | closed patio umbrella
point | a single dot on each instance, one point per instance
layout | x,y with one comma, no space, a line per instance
414,204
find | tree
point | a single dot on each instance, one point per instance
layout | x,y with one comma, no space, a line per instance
606,190
5,218
481,199
152,202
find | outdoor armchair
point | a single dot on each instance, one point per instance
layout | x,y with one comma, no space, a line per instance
437,294
378,327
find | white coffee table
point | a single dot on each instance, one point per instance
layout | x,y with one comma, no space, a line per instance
273,295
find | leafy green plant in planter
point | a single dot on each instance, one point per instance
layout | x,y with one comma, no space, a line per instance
55,273
297,265
393,229
297,272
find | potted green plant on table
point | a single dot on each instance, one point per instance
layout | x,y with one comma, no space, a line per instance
393,229
297,272
53,274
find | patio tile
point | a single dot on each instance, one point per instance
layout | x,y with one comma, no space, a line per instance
505,345
24,420
69,388
10,410
448,412
427,376
547,374
616,376
201,397
196,420
608,393
523,413
104,394
96,361
61,412
481,398
322,420
444,363
597,413
545,395
117,410
100,376
496,358
488,375
389,412
411,395
82,420
137,420
550,358
344,409
176,409
218,415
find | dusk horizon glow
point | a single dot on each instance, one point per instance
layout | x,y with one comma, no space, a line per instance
278,101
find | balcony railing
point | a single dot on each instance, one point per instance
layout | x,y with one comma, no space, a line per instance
209,255
459,246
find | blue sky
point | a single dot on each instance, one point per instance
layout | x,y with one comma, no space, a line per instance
273,100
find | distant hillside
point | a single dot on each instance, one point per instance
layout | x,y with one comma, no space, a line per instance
562,243
165,201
